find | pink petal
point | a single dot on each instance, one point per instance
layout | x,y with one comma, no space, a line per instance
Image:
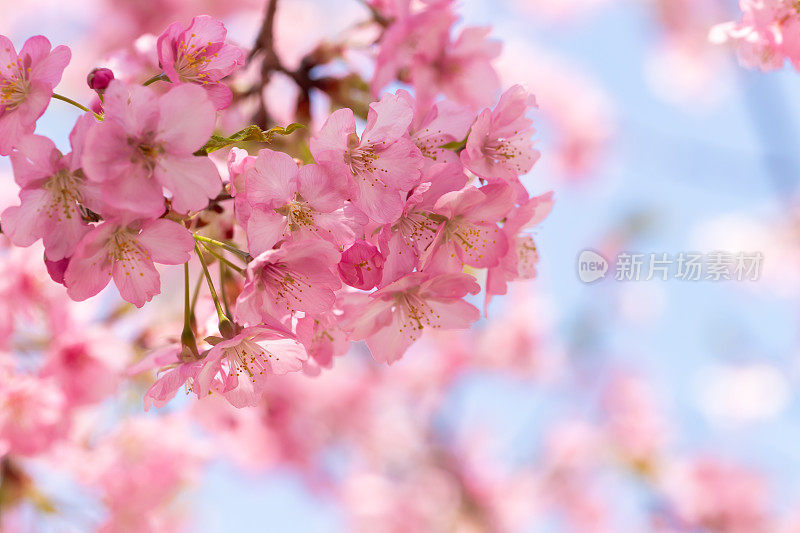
264,229
51,67
186,119
272,180
388,344
332,137
287,355
388,119
192,181
136,279
166,241
23,224
381,204
89,270
219,94
324,190
12,129
35,157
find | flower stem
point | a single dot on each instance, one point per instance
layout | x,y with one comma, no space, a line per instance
157,77
222,259
241,253
225,325
195,294
187,335
222,290
76,104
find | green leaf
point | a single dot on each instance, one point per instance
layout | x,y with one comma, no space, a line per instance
249,134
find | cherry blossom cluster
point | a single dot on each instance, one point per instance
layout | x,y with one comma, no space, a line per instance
378,234
767,36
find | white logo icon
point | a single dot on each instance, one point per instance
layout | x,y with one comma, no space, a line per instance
591,266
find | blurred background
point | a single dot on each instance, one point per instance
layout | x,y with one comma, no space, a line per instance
612,406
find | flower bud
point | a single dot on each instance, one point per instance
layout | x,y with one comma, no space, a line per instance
99,79
361,266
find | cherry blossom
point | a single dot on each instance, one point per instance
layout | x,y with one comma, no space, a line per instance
199,54
766,36
381,164
392,318
296,277
32,414
420,44
404,241
53,190
283,201
127,252
361,266
499,143
27,80
468,232
238,367
145,144
520,261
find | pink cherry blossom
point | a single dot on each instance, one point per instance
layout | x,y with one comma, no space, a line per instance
53,189
712,494
419,46
634,421
238,368
146,144
199,54
297,276
380,165
88,367
444,123
768,34
520,261
31,413
468,232
323,338
126,252
239,162
394,317
173,373
403,242
27,80
284,201
499,143
138,467
461,70
361,266
418,37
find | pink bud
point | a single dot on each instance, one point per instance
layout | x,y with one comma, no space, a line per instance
361,266
99,79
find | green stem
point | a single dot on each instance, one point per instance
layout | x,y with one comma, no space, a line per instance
222,289
187,335
241,253
158,77
76,104
222,259
195,294
225,325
